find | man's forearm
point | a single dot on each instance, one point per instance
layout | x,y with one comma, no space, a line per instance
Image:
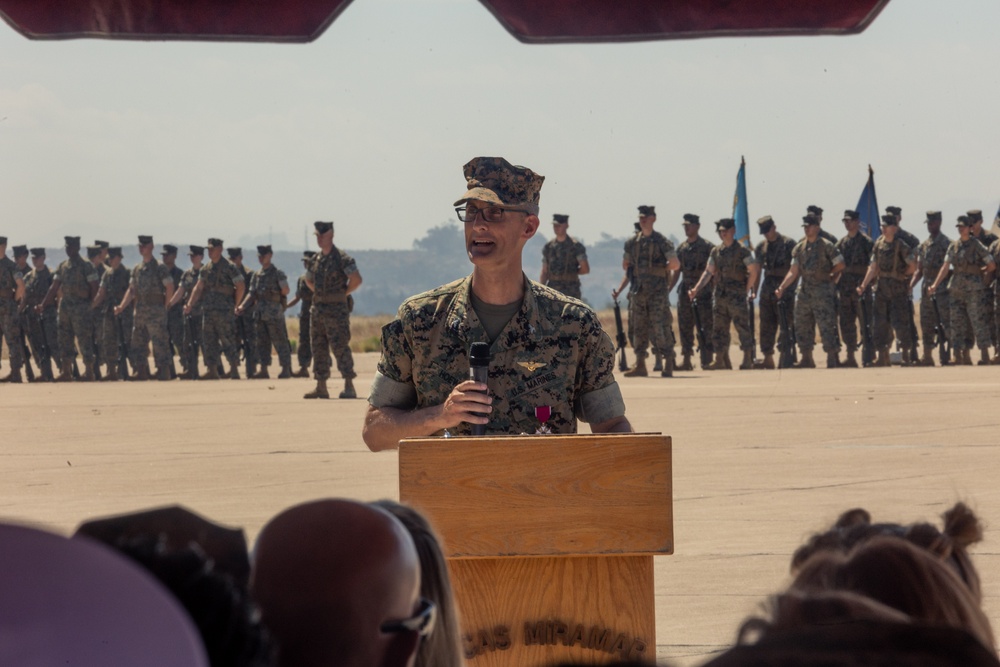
385,427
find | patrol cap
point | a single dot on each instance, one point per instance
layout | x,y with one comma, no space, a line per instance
963,221
765,223
169,249
264,250
3,240
20,251
933,216
895,210
308,254
560,218
725,223
495,181
691,219
196,250
889,219
647,210
72,241
94,251
974,215
38,252
851,214
322,227
234,252
815,210
810,219
115,251
145,240
215,243
103,245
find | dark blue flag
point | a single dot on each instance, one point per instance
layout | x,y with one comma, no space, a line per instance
740,213
868,211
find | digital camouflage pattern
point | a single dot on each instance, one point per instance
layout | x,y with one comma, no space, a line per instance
218,322
552,353
246,325
992,313
994,249
43,330
496,181
115,283
266,286
775,259
892,291
330,316
194,320
221,279
816,296
149,282
74,317
931,255
729,299
967,290
304,351
563,262
9,322
693,258
906,237
650,319
175,319
857,253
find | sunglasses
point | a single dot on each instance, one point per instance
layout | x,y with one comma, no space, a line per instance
422,622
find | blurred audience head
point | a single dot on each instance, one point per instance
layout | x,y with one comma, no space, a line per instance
338,583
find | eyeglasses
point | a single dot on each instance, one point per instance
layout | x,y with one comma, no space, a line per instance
489,214
422,622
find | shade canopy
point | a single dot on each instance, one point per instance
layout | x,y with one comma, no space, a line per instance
531,21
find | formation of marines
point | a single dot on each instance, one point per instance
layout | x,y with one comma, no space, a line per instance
97,310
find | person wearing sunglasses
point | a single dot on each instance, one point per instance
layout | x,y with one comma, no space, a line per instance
551,362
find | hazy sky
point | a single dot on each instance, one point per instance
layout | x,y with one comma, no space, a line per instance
370,125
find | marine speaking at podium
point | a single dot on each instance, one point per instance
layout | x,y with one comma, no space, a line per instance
550,363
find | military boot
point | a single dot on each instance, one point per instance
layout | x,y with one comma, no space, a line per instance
832,360
807,360
639,370
13,376
88,372
163,374
768,363
301,373
883,357
319,392
747,364
210,374
111,375
286,372
965,357
851,361
658,364
65,372
686,364
928,357
668,367
141,373
234,372
348,389
721,362
984,356
262,374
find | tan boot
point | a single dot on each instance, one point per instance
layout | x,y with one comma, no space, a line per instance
806,361
686,364
262,374
721,362
65,372
668,366
286,372
88,373
234,372
319,392
639,370
14,376
112,374
747,363
832,360
348,389
211,373
851,361
163,374
966,356
768,363
984,356
928,358
302,372
658,364
883,357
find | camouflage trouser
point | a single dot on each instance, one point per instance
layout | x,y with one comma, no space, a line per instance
250,330
108,325
151,325
892,312
331,329
928,318
770,319
304,351
192,336
850,313
10,328
272,331
686,323
219,332
990,313
75,322
175,332
816,305
568,288
729,308
43,336
652,323
968,316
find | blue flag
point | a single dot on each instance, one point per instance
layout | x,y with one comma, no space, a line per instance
871,221
996,223
740,213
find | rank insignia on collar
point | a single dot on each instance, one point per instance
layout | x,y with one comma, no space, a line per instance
532,366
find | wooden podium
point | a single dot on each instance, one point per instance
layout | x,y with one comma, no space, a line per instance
550,540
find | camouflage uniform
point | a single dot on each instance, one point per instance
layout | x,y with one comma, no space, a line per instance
816,296
42,329
892,292
563,262
649,300
149,282
729,298
218,301
693,258
266,286
966,288
75,274
930,259
331,316
553,352
9,320
175,319
775,259
857,252
994,249
247,323
192,322
115,283
97,322
305,295
992,313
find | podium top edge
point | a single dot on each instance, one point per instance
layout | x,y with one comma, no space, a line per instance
533,437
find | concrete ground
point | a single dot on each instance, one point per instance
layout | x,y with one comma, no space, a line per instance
761,460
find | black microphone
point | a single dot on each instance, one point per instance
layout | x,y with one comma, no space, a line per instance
479,371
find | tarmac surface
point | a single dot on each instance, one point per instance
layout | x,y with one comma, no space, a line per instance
761,459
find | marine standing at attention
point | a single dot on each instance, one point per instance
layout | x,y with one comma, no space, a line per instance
11,292
192,318
268,288
41,324
892,264
151,287
856,249
220,287
305,295
114,285
551,361
77,279
930,259
693,257
774,254
564,260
